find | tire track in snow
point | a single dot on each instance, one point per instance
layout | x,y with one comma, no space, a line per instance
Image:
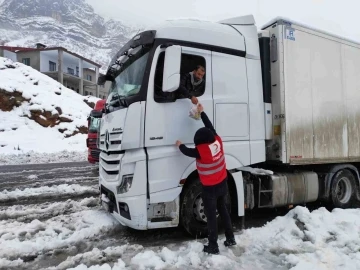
21,171
49,174
26,213
96,255
43,166
59,175
34,182
44,193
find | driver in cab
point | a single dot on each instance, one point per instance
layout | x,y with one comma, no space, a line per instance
192,84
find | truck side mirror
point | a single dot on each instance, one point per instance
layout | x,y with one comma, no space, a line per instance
171,75
96,114
101,80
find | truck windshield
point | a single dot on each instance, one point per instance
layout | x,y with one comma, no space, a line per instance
94,124
129,79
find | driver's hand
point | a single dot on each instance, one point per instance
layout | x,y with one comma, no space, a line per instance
194,100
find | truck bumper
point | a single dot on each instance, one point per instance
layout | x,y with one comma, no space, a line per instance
129,204
129,211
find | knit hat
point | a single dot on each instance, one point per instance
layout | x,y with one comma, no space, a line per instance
204,135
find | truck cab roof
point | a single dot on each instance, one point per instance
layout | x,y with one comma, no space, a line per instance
239,33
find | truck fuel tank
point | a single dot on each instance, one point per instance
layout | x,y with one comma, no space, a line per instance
282,189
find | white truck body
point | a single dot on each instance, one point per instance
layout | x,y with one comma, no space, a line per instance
304,113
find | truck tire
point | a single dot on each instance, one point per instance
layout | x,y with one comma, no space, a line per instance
343,189
192,216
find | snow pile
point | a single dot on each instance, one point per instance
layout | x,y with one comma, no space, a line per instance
304,240
39,114
299,241
257,171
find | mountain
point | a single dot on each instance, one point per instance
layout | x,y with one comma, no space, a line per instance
72,24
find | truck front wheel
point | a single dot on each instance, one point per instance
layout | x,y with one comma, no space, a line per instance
192,214
343,189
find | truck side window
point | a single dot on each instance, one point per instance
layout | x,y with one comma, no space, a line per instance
189,63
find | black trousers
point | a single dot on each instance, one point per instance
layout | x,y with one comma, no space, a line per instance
214,198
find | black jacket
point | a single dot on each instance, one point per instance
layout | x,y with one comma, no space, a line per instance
187,90
203,135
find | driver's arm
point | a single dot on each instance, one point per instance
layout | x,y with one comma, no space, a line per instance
184,91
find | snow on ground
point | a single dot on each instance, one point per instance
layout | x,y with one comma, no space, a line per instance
63,189
299,240
76,233
44,210
21,136
33,157
20,239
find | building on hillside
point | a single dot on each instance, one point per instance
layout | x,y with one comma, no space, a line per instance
68,68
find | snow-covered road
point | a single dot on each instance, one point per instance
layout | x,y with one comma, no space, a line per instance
50,218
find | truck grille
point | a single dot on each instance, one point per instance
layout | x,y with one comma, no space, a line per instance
110,155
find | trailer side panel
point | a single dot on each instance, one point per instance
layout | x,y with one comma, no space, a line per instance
322,82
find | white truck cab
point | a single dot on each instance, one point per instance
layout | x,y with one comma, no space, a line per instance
144,180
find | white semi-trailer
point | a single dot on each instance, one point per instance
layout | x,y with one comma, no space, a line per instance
285,99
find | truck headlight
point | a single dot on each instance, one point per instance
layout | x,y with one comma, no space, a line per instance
125,183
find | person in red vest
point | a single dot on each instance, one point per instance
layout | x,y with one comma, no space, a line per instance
211,166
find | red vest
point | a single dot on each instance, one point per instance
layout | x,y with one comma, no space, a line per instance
211,166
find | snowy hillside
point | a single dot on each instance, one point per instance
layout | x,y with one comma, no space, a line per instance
72,24
39,114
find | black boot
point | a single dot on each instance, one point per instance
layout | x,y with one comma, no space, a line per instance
230,242
211,250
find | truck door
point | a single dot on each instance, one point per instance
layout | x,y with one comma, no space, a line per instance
167,121
231,104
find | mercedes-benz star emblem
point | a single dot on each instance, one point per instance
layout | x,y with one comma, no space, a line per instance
107,139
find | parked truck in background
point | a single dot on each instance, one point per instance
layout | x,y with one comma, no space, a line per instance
284,99
93,129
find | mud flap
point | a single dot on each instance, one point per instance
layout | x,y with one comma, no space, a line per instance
239,183
105,205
